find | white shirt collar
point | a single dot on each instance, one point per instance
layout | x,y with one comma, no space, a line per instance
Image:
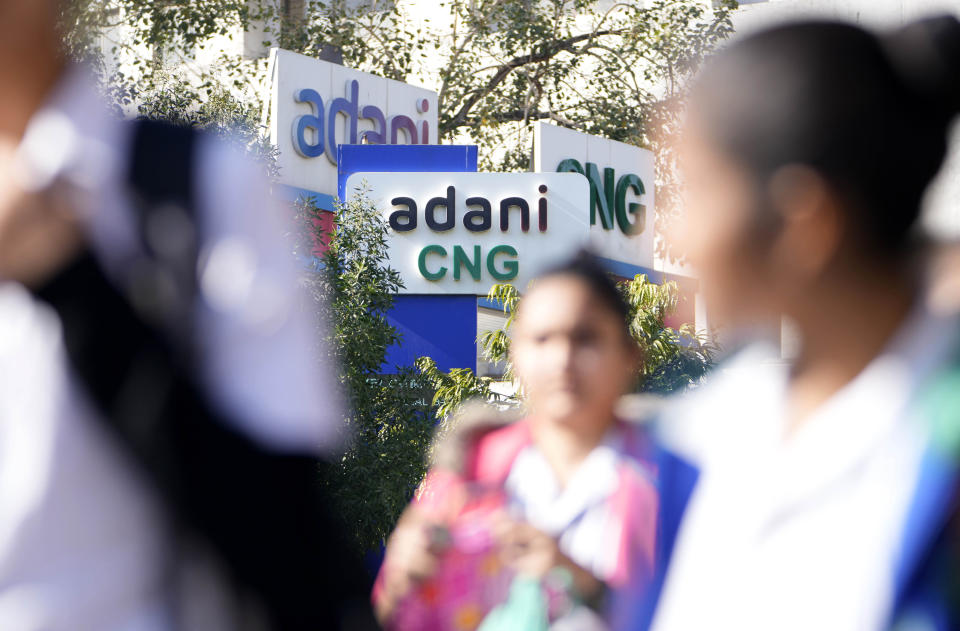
738,419
554,509
865,412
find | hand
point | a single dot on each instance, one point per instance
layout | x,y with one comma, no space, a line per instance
412,557
39,233
528,551
533,553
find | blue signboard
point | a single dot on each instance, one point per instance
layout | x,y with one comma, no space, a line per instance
403,159
438,326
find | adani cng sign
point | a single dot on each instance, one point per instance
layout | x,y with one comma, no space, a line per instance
460,233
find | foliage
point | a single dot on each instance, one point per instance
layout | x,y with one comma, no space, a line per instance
672,359
362,288
221,113
495,345
611,69
597,67
452,388
390,418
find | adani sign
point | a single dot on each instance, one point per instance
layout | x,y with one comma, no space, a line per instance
460,233
316,105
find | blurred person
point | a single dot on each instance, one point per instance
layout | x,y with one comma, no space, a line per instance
579,499
943,293
819,494
161,414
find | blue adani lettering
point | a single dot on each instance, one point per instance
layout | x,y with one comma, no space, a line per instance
315,134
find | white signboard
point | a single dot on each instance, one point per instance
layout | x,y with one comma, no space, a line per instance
460,233
621,178
316,105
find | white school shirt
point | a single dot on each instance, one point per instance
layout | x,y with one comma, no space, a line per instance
800,532
578,514
83,539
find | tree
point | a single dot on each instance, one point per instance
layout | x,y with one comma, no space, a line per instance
221,114
673,360
390,419
610,69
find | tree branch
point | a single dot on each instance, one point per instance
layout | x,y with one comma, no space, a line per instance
504,70
523,114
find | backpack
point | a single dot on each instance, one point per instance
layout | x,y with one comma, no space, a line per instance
129,342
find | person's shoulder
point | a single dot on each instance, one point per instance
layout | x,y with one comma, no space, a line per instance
498,448
742,372
745,389
480,441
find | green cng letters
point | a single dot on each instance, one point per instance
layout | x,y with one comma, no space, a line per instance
473,264
609,199
440,215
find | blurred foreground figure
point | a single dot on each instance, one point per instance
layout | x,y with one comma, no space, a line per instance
826,490
161,412
547,512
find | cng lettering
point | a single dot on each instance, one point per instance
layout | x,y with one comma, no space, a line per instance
608,197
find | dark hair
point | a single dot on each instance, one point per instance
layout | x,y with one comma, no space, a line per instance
869,113
585,267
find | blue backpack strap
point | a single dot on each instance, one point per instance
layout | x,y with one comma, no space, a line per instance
676,480
927,573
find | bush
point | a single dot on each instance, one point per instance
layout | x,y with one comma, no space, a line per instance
390,417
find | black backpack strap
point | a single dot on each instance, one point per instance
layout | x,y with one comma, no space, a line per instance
161,162
262,512
161,281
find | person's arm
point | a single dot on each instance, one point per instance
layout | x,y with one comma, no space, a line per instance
414,546
266,362
412,557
